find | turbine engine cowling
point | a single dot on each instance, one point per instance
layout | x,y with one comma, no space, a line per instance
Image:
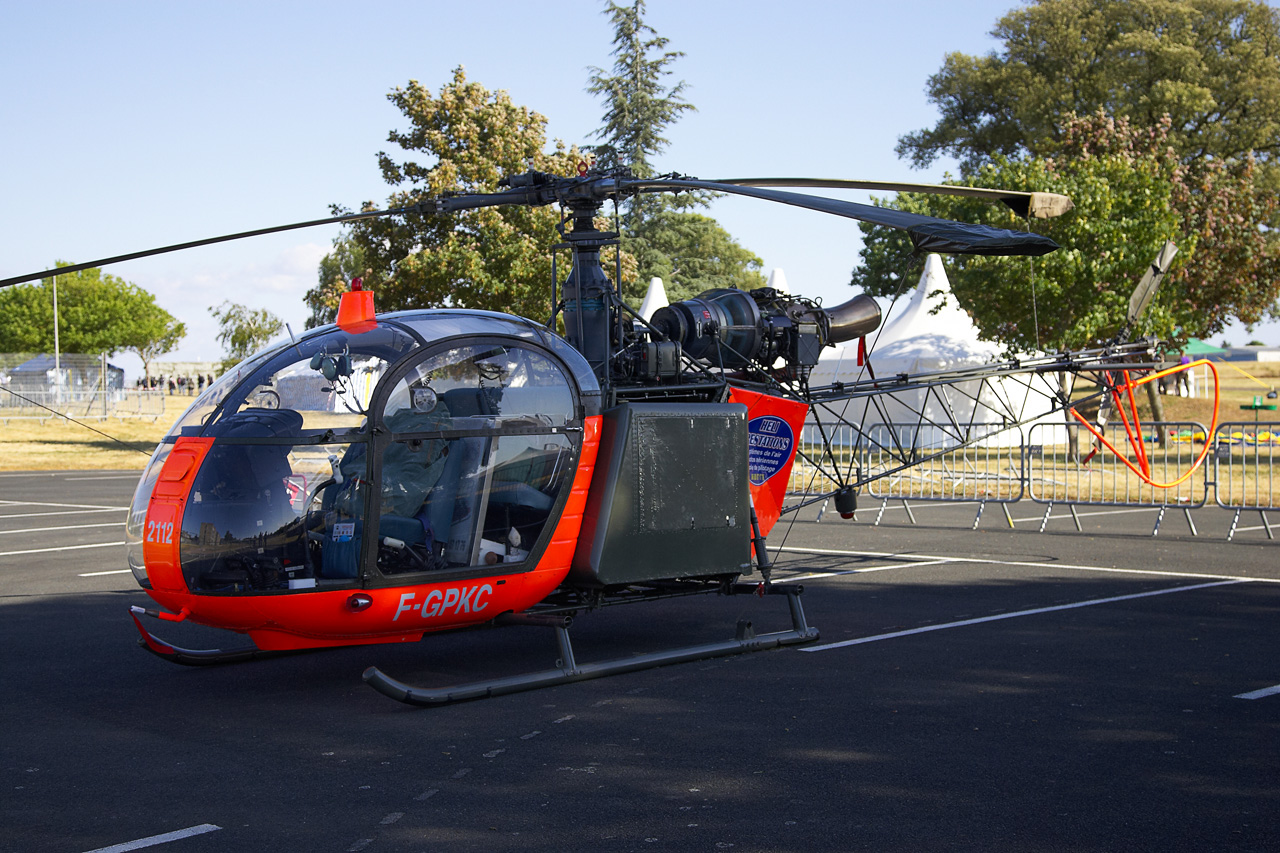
733,328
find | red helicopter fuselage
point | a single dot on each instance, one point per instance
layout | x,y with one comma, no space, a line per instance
433,471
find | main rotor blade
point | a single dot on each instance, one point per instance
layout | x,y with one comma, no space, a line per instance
1041,205
350,217
927,233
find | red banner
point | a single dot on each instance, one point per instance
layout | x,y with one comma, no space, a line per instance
773,433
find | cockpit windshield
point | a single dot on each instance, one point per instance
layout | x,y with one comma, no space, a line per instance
345,460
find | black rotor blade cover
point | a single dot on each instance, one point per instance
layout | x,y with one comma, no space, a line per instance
927,233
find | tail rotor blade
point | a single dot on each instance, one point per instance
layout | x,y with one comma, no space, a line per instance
1146,288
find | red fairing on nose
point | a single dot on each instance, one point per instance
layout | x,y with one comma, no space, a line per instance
161,533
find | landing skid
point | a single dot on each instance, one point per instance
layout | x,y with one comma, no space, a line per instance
568,670
196,657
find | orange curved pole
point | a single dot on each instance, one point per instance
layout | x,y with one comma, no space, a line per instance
1135,440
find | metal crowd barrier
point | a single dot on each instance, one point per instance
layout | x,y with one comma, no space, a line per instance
989,471
81,404
912,461
1245,453
1070,472
807,478
1055,464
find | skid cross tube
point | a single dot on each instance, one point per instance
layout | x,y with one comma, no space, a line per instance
568,669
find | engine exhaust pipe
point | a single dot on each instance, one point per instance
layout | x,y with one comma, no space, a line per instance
853,319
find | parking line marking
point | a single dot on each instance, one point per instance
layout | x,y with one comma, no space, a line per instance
153,840
100,574
111,477
865,569
1026,564
1034,611
64,506
63,548
1258,694
71,527
69,512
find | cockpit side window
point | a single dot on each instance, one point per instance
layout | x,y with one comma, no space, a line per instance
479,451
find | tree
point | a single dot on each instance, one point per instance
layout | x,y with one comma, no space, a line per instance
689,251
638,106
1132,192
494,258
96,313
161,334
1212,66
692,253
244,330
337,268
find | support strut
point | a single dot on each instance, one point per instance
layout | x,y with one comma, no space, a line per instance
568,669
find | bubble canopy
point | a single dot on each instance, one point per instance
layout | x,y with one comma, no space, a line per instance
439,444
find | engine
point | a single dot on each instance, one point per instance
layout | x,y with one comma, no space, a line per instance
735,329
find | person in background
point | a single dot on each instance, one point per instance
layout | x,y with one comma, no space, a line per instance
1184,377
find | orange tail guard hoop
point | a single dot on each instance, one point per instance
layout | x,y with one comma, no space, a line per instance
1133,428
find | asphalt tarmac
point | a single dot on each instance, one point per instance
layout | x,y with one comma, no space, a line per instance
988,689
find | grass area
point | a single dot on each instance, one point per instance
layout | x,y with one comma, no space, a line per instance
60,445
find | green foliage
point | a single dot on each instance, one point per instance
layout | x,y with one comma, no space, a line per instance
96,313
337,268
499,258
244,330
1212,66
494,258
638,105
1132,192
690,253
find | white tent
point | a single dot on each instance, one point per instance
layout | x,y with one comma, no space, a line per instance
778,281
654,298
930,333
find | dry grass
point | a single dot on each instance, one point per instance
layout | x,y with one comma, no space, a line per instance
60,445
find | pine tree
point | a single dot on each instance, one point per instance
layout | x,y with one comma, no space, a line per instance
659,231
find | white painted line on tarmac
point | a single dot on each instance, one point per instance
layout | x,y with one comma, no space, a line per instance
71,527
100,574
1105,512
865,569
63,506
1028,564
1258,694
153,840
997,617
63,548
112,477
69,512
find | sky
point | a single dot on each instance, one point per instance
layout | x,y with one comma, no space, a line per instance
131,125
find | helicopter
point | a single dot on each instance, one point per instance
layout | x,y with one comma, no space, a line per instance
391,476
